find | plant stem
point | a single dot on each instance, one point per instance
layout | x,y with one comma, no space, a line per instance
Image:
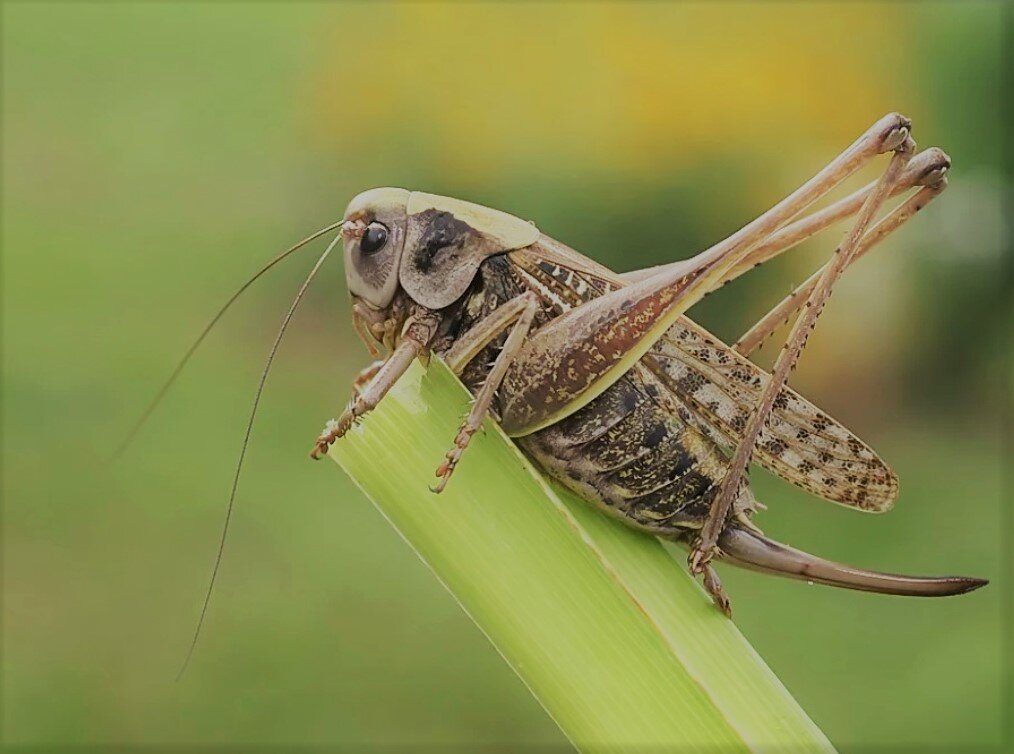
608,631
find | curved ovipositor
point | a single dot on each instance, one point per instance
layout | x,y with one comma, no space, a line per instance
751,550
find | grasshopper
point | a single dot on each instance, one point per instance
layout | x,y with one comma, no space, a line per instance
605,382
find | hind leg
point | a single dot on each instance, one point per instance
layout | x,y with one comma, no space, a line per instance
704,549
757,334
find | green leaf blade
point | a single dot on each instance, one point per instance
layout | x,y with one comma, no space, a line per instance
605,628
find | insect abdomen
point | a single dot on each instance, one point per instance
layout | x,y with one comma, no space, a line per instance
633,458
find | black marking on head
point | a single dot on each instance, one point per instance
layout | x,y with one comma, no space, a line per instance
440,230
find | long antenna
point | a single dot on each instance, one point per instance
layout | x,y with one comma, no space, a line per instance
153,404
246,442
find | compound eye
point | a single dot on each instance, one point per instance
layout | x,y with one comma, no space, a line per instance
373,239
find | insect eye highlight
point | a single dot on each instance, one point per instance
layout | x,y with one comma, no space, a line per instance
373,239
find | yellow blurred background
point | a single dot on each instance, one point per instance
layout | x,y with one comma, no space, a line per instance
154,155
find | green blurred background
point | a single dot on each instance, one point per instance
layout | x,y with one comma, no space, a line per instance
154,155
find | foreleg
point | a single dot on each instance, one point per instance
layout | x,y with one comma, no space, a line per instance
416,337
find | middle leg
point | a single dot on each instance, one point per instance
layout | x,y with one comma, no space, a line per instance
523,310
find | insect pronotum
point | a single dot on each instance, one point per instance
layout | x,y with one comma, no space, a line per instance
604,381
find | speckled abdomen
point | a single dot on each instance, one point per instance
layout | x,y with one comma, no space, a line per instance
634,458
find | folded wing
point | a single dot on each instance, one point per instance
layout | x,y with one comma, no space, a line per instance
720,387
800,443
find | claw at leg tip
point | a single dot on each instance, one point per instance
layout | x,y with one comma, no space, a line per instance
697,561
725,606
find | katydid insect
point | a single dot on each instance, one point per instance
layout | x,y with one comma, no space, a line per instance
608,386
604,381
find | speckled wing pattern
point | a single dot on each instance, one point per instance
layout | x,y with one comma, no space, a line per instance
720,387
799,443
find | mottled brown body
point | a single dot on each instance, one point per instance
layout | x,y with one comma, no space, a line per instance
625,453
605,382
635,450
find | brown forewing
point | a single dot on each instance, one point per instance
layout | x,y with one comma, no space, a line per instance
800,443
